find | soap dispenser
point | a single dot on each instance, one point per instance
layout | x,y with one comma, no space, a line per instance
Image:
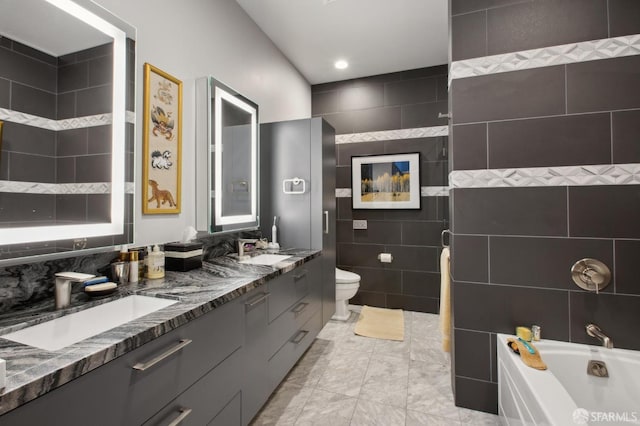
156,263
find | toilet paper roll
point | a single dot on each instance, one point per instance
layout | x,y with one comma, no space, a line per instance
385,257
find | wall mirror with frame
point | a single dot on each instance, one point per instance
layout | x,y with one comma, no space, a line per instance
67,90
227,147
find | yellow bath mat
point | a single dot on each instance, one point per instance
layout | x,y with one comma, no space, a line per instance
381,323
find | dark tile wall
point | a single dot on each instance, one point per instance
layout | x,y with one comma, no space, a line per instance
513,248
399,100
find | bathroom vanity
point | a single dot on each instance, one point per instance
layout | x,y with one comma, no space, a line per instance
214,357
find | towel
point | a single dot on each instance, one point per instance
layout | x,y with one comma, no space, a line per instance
445,299
533,360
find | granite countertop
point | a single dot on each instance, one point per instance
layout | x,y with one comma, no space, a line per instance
32,372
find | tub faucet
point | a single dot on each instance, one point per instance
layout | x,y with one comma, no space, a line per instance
594,331
63,286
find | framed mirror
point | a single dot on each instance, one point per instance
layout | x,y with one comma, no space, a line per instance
227,159
67,86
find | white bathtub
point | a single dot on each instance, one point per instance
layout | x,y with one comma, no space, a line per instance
564,394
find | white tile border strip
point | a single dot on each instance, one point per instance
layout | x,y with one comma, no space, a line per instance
61,188
386,135
425,191
547,56
57,125
607,174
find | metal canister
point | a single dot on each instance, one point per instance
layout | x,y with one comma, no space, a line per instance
535,332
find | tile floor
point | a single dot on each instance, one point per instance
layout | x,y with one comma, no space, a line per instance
344,379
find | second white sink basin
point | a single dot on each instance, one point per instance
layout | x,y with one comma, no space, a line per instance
266,259
69,329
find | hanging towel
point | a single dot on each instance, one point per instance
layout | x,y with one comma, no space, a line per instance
445,299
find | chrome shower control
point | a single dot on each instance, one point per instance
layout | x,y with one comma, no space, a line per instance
590,274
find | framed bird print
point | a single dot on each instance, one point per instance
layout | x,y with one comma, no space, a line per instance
162,140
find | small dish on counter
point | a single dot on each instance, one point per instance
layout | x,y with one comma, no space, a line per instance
101,289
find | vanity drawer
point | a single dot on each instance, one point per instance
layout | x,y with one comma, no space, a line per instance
291,287
183,356
293,349
207,398
283,327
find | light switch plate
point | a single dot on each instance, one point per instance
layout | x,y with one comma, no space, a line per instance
359,224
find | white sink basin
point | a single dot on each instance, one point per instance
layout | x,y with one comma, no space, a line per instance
69,329
266,259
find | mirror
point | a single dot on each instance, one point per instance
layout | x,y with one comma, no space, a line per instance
227,158
67,85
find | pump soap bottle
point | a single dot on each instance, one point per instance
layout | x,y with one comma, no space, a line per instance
156,263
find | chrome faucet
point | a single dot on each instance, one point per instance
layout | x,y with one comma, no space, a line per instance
63,286
241,243
594,331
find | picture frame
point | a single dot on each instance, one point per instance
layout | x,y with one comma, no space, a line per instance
389,181
162,142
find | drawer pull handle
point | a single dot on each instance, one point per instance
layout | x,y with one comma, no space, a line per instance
302,275
142,366
300,336
300,307
257,300
184,413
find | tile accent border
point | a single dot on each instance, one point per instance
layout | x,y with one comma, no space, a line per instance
607,174
57,125
418,132
61,188
425,191
555,55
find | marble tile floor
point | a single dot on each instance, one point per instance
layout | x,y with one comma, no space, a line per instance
345,379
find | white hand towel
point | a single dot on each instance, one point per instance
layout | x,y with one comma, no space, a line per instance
445,299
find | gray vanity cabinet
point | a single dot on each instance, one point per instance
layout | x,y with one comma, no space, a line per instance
119,394
255,383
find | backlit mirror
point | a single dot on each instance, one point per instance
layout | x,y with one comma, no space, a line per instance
227,164
67,73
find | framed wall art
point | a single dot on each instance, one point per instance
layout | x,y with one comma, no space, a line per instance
386,181
162,139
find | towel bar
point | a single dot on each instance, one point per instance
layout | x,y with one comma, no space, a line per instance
446,231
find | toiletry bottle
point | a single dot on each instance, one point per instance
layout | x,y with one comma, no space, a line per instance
274,231
147,253
133,266
124,254
141,263
156,263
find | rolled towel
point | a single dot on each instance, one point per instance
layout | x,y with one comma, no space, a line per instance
445,299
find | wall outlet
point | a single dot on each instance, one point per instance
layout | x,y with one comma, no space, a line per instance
359,224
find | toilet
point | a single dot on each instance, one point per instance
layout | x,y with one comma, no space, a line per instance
347,284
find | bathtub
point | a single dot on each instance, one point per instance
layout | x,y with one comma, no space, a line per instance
564,394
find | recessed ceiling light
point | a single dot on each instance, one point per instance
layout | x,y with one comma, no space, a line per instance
341,64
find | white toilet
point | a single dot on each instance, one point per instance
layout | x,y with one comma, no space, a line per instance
347,284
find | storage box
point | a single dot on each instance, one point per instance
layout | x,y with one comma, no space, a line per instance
182,257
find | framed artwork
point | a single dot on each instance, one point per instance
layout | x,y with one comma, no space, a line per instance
162,139
386,181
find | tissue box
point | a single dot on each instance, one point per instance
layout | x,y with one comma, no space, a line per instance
182,257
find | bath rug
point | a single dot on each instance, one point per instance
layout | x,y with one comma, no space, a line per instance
533,360
381,323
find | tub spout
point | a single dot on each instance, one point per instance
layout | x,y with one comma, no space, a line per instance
594,331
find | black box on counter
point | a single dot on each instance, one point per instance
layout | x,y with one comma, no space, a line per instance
182,257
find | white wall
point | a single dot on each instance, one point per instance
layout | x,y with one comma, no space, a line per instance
190,39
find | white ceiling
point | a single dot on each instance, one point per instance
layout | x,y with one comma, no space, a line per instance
374,36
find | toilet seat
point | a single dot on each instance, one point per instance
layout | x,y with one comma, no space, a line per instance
346,277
